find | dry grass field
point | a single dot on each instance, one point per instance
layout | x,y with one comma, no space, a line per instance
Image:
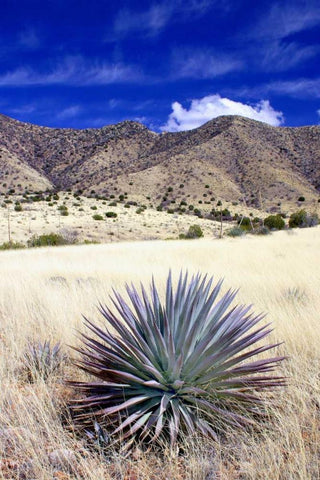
44,292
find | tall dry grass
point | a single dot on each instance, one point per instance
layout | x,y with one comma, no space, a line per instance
43,294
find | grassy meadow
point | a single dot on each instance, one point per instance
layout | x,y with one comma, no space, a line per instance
43,295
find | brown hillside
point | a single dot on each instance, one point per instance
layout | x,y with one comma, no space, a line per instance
229,158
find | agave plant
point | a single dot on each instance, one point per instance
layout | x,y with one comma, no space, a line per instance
175,367
42,360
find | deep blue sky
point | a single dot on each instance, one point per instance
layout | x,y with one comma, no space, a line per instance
170,64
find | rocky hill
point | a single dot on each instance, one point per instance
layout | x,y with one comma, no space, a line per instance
230,158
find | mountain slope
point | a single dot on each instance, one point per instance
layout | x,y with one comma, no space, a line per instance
229,158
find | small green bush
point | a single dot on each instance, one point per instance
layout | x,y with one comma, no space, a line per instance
244,223
302,219
111,214
274,222
301,199
194,231
18,208
96,216
235,232
11,245
51,239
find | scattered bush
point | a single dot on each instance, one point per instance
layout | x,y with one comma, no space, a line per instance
162,371
11,245
301,199
274,222
18,208
51,239
111,214
235,232
302,219
96,216
194,231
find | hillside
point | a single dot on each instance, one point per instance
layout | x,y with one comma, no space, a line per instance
229,158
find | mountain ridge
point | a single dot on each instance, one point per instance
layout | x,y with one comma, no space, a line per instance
235,156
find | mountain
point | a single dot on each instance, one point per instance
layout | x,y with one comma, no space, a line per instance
229,158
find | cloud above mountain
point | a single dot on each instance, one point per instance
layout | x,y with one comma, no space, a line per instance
204,109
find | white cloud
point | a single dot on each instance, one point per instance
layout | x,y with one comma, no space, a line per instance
29,39
205,109
299,88
202,64
148,22
281,56
69,112
151,21
72,71
287,18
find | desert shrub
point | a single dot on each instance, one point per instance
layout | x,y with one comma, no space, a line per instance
50,239
302,219
94,207
162,370
235,232
96,216
194,231
111,214
112,204
301,199
274,222
40,360
140,210
18,208
244,223
11,245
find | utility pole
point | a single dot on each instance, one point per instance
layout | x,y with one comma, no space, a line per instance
9,225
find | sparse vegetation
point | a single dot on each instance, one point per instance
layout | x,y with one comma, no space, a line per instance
11,245
302,219
96,216
274,222
51,239
41,360
235,232
194,231
111,215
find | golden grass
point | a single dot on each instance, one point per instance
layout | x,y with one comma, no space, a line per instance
43,294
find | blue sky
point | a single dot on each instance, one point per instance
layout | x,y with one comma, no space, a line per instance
171,65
